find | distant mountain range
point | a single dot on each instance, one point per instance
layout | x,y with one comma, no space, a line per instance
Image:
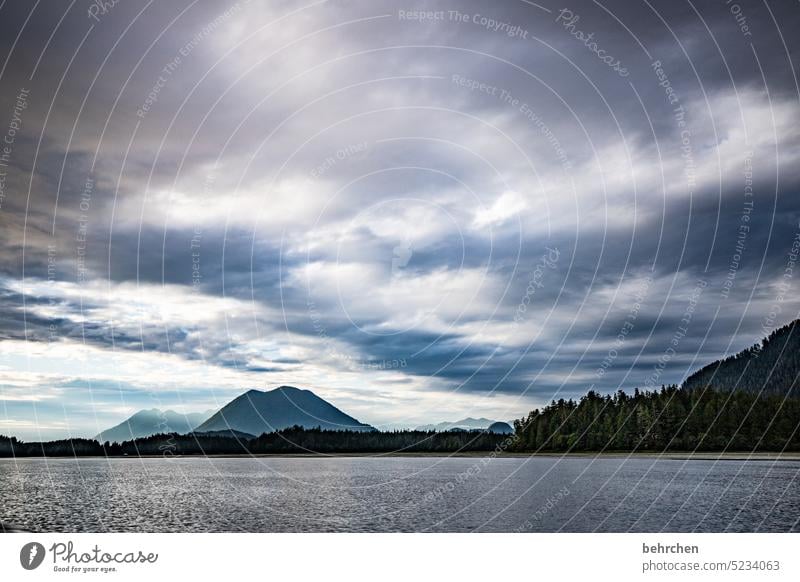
465,424
769,368
245,417
154,421
256,412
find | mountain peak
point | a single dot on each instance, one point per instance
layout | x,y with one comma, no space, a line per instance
290,389
279,389
151,421
466,423
146,413
257,412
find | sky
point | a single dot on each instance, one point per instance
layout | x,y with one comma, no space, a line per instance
421,211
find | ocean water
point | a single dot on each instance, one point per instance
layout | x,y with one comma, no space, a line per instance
407,494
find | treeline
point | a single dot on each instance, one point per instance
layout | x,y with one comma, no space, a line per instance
669,419
11,447
289,441
769,367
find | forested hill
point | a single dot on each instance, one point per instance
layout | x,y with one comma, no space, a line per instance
770,368
664,420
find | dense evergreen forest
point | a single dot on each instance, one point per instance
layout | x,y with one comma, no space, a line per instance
293,440
669,419
769,367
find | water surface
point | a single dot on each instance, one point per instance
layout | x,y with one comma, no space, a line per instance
388,494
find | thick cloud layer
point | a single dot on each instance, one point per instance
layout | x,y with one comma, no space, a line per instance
420,211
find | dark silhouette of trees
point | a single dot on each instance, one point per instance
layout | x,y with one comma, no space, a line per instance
10,447
670,419
750,401
299,440
296,440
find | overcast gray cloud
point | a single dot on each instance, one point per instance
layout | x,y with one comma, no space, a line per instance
419,210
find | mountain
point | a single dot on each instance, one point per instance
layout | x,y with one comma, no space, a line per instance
466,424
149,422
257,412
770,368
500,427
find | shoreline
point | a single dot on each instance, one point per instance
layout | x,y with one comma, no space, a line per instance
670,456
